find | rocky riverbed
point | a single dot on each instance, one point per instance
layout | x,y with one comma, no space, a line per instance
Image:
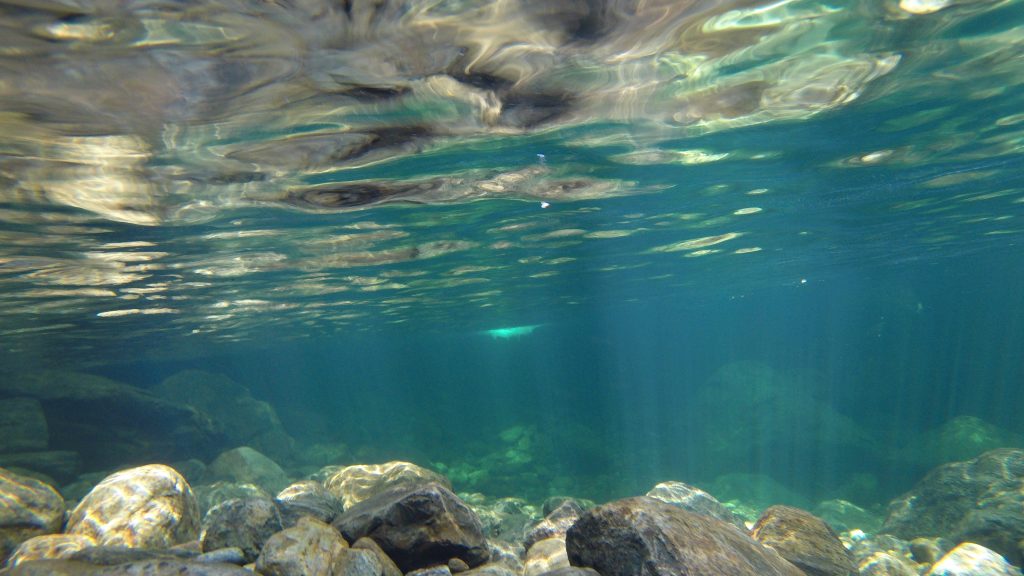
962,519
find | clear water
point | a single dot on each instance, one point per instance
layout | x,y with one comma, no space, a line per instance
743,237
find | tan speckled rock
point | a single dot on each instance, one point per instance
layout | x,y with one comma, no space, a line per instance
545,556
970,559
146,507
353,484
28,508
804,540
308,548
49,547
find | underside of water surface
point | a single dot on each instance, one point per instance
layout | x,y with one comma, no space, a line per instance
545,249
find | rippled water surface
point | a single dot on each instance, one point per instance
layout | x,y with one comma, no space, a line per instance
219,171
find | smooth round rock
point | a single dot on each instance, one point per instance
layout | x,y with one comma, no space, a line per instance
643,536
545,556
28,508
244,523
970,559
311,547
805,540
49,547
353,484
146,507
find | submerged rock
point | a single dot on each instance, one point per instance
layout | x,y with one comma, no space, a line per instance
388,566
418,527
49,547
22,426
28,508
643,536
154,567
247,466
885,564
62,465
245,420
307,498
360,563
695,500
555,524
961,438
972,560
353,484
506,519
243,523
219,492
842,516
979,500
805,541
146,507
308,548
756,413
544,556
109,423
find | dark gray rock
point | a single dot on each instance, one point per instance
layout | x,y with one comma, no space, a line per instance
646,537
979,500
805,540
418,527
695,500
28,508
307,498
22,426
243,523
108,423
245,420
555,524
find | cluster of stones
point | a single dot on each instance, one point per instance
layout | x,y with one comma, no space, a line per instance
399,519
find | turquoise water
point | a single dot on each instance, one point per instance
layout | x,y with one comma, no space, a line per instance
574,250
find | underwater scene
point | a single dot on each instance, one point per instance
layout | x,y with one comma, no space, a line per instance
512,287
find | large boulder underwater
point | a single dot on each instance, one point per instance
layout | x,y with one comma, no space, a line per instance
60,423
